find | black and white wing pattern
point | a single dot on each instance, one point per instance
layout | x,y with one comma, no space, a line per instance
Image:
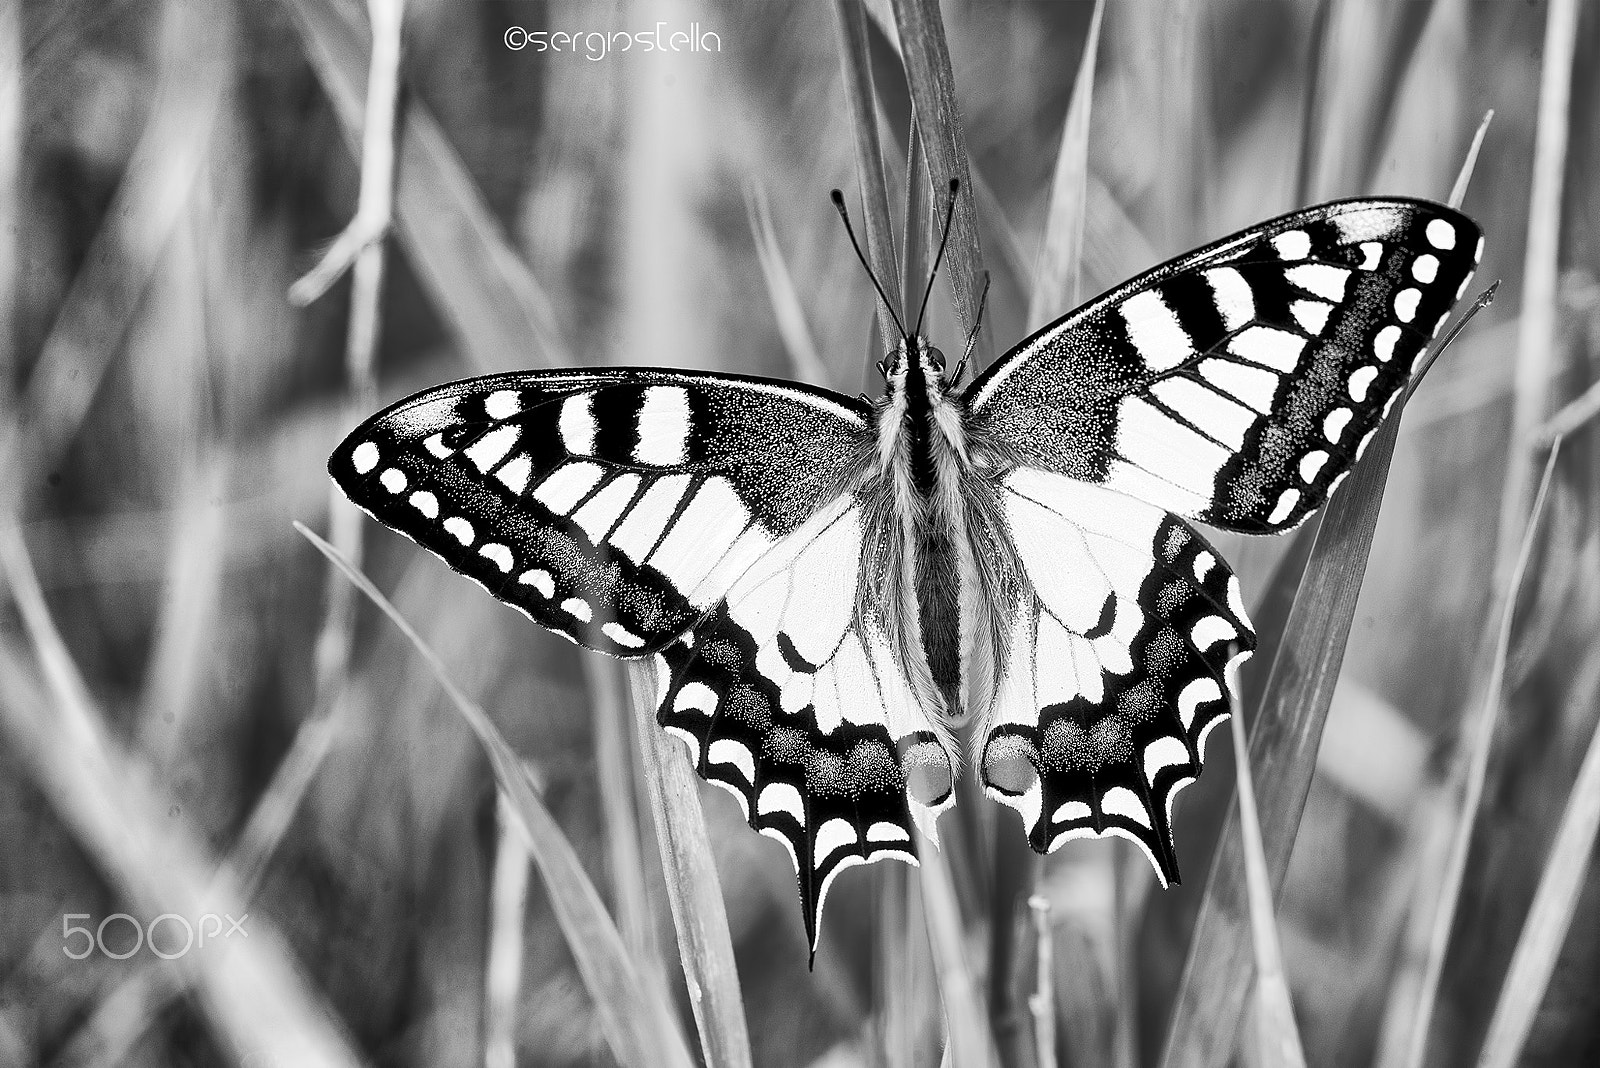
1237,384
788,696
1119,648
613,507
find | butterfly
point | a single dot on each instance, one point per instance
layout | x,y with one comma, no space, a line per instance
836,591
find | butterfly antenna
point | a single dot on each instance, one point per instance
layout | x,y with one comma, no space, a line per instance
977,324
838,203
944,239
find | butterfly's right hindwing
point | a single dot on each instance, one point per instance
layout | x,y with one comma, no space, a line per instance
614,507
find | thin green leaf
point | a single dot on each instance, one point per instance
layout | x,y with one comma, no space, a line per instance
695,892
638,1023
478,282
1058,278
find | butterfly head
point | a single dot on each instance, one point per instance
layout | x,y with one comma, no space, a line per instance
913,364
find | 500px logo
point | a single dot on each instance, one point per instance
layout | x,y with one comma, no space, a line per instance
595,45
210,926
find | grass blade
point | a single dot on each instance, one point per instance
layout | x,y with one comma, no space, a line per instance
693,888
637,1038
614,765
479,283
856,56
1554,905
967,1041
933,102
1277,1039
1469,787
1536,332
804,362
1042,1002
503,967
1058,278
1283,746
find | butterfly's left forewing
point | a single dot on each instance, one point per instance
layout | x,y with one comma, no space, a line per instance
615,507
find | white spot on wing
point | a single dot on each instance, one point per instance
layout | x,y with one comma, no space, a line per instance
781,797
887,832
1312,315
1121,801
622,636
1311,465
729,751
664,425
1441,234
1361,380
426,503
1425,268
493,446
460,528
1163,753
1162,341
578,608
1320,279
1333,426
1213,629
1405,304
1232,297
1372,253
498,554
436,446
696,696
540,580
1286,502
502,404
1277,349
365,457
832,836
567,485
577,424
1192,696
394,480
1292,244
1383,344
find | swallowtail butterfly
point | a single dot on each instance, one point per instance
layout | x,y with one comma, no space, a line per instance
832,589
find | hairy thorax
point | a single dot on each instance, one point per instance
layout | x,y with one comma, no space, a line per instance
940,585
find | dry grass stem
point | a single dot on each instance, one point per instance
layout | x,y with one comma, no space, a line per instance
508,904
693,889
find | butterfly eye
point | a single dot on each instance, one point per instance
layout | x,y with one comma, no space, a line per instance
883,369
936,358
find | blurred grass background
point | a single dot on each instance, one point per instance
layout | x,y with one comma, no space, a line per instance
168,168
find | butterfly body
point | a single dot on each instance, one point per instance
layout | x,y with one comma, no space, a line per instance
834,592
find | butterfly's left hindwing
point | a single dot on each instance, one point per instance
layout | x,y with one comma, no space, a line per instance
788,697
1239,383
613,507
1119,643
